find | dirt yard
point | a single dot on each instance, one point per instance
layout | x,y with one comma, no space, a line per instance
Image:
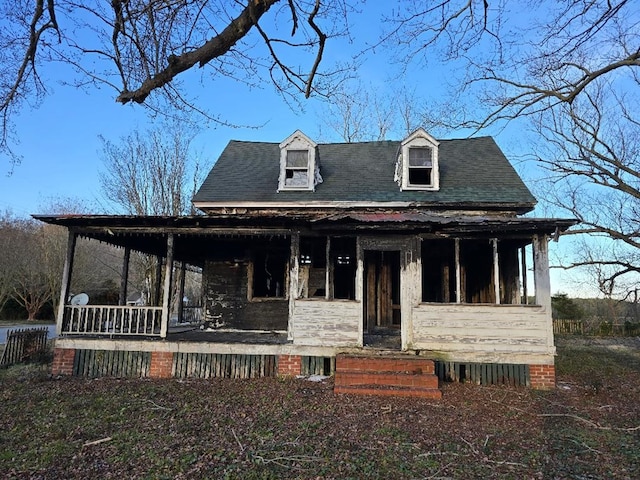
587,428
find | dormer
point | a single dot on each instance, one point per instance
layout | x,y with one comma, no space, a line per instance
299,170
417,167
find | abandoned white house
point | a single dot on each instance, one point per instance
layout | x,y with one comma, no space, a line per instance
395,250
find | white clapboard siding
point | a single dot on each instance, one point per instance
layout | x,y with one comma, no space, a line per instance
482,328
326,323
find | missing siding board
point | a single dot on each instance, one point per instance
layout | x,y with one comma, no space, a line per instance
111,363
213,365
318,366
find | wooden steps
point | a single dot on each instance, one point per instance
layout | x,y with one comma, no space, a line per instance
386,375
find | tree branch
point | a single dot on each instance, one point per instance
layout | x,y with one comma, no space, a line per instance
216,47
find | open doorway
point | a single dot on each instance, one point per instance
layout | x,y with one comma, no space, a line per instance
382,315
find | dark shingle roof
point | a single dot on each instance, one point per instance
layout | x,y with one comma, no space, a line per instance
473,171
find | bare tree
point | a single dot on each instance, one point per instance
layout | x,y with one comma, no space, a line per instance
138,47
7,264
357,112
570,73
28,277
152,172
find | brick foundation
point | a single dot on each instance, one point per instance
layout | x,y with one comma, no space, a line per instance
289,365
63,359
161,364
543,377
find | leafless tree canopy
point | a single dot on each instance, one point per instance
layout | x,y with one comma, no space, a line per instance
150,173
141,46
566,70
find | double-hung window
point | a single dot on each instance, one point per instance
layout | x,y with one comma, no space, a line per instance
297,169
417,166
420,166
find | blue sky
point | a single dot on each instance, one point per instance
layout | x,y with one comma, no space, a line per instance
60,147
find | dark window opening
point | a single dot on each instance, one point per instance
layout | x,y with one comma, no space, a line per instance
270,271
438,271
420,166
476,265
313,263
343,256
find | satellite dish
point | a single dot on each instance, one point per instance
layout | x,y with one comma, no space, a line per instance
80,299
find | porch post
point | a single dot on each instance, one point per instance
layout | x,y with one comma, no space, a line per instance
458,279
158,281
328,280
166,294
122,299
66,280
523,259
183,274
360,286
496,271
293,280
541,278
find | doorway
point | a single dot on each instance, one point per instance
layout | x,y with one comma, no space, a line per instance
382,313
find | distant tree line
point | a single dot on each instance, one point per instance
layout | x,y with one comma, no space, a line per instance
31,268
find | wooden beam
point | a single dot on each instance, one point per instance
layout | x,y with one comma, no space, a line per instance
66,279
458,270
328,292
158,281
124,278
496,271
541,278
294,272
166,294
523,260
183,275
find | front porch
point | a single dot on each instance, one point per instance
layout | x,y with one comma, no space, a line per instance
288,291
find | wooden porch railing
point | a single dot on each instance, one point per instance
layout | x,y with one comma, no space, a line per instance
111,320
191,315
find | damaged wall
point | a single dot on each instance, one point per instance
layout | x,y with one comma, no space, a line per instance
227,305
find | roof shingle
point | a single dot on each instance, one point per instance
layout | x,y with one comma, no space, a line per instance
473,171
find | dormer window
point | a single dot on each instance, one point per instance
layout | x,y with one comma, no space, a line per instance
417,167
421,166
296,169
298,165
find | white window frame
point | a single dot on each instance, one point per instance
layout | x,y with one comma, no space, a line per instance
297,141
420,139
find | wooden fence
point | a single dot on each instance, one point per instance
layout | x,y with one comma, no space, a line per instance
562,326
599,328
24,345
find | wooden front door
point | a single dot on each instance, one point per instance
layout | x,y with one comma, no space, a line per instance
382,291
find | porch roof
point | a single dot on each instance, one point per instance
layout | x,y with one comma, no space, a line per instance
192,233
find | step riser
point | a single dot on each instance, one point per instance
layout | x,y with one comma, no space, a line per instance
389,379
360,364
386,376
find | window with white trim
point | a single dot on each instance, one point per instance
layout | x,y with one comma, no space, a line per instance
417,167
299,168
420,166
296,169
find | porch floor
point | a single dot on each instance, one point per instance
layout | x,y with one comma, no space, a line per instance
224,336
